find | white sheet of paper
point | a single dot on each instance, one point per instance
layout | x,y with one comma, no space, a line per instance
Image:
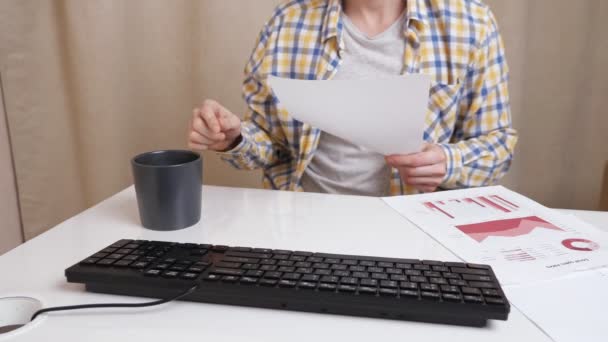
385,115
522,240
569,309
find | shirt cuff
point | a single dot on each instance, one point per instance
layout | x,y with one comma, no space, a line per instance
241,147
453,165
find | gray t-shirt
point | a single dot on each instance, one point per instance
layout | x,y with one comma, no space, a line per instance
339,166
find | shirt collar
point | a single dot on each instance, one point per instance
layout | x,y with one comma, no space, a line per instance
332,25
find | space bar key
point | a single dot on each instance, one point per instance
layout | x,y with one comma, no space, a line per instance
227,271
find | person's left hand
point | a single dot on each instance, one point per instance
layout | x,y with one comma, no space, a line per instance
423,170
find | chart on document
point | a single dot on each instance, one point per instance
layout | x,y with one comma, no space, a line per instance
517,236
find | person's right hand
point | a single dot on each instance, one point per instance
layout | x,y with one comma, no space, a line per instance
213,127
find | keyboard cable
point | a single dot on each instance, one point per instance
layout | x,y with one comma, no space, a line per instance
115,305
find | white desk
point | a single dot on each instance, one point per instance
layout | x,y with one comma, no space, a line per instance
327,223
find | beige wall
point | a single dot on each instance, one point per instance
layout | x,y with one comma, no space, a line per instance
88,84
10,225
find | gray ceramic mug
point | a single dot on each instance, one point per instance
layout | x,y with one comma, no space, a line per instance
169,188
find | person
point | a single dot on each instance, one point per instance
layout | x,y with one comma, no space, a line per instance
469,139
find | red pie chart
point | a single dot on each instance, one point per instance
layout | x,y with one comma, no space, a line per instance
580,245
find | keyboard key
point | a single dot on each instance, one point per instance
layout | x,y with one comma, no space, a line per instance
89,261
422,267
429,295
385,264
469,271
230,279
483,267
348,281
196,269
254,273
495,301
403,266
268,268
482,284
455,264
211,277
262,250
242,260
349,262
451,297
357,268
268,282
429,287
322,272
248,280
306,254
379,276
272,275
432,274
369,282
450,275
99,255
162,266
367,290
341,273
394,271
285,263
440,268
388,292
418,279
408,285
189,275
476,277
249,255
367,263
360,274
115,256
329,279
314,259
331,260
170,274
122,263
413,273
439,281
327,287
224,264
297,258
178,268
473,299
375,269
240,249
304,264
286,269
388,284
105,262
397,277
304,270
320,265
470,290
310,277
408,294
287,283
346,288
291,276
280,257
219,248
152,273
432,262
281,251
227,271
450,289
307,285
268,262
338,267
490,293
250,266
457,282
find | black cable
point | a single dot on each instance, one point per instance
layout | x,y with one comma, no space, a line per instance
115,305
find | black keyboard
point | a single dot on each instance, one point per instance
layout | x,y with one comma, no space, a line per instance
403,289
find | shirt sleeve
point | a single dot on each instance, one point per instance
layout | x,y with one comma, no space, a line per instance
481,149
263,139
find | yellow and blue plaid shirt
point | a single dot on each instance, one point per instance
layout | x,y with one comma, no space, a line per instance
456,42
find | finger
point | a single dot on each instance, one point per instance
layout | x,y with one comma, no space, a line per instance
209,118
200,127
228,121
202,139
416,159
435,170
434,181
425,188
195,146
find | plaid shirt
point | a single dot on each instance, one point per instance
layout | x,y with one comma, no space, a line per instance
455,41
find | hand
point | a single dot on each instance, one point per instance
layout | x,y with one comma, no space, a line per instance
213,127
423,170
